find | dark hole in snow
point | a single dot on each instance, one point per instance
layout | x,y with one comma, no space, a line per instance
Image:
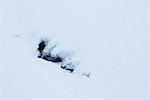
41,47
53,58
71,70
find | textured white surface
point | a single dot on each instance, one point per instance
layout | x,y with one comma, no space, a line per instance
109,35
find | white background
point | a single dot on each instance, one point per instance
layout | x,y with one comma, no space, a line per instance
111,36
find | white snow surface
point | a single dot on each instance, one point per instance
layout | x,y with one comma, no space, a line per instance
107,37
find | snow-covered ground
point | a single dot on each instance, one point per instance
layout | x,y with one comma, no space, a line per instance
109,38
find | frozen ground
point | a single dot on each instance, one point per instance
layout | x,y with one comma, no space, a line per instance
109,38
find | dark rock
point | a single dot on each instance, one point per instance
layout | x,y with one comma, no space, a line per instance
41,47
49,57
55,59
